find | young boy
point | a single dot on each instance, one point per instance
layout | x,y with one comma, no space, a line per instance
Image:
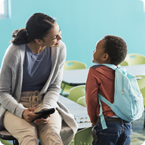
111,50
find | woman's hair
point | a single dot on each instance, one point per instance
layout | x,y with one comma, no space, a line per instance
37,26
116,48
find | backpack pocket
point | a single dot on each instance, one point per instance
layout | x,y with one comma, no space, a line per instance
137,106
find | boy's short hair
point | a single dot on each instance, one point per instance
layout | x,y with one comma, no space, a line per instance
116,48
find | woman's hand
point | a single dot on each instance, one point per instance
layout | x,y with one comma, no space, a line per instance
28,114
42,121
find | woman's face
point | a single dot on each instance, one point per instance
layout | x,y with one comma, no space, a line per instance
53,37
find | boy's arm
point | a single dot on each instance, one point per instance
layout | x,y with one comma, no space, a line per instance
91,95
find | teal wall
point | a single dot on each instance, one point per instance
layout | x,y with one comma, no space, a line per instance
83,23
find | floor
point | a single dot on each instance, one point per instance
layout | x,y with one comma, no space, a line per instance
138,133
138,138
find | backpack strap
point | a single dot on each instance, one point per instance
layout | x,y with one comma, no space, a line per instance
104,100
118,68
112,66
102,119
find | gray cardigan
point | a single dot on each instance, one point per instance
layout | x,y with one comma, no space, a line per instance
11,77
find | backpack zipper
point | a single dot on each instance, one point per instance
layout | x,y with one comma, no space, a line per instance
122,85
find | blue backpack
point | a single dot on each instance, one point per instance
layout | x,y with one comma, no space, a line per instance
128,100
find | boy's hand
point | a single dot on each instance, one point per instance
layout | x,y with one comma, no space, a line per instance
93,124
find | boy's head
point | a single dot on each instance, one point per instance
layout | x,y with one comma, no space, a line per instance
111,49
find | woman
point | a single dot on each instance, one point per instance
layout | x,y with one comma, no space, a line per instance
30,80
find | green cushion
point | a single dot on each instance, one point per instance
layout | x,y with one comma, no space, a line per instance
5,142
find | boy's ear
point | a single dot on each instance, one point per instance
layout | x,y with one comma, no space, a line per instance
38,41
105,56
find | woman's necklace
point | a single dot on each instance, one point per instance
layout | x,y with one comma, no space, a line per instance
34,57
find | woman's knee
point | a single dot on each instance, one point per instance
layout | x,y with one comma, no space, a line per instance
28,137
50,137
28,140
